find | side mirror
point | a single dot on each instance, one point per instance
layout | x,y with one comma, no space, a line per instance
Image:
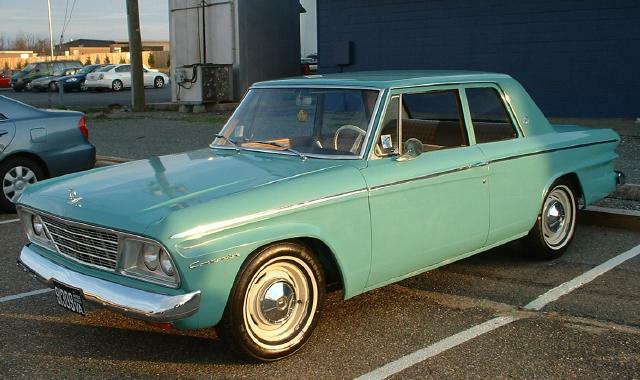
412,149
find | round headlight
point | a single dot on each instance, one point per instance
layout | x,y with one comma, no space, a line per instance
38,226
165,263
151,256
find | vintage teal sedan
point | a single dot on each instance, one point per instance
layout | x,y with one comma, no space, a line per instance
357,180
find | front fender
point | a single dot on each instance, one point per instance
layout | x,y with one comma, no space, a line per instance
211,263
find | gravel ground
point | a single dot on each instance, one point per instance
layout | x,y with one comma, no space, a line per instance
140,135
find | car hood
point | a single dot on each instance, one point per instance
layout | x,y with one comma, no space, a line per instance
131,196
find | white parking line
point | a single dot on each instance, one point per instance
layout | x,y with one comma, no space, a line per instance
584,278
423,354
23,295
9,221
435,349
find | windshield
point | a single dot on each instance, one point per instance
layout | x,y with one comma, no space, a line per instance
29,67
312,121
105,69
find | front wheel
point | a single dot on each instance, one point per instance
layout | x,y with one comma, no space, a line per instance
275,302
554,229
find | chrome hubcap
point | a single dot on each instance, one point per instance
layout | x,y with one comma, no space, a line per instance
159,82
16,180
280,302
558,217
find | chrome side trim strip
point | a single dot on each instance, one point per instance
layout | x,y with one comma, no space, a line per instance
551,150
214,227
428,176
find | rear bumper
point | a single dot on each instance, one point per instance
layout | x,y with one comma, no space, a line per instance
139,304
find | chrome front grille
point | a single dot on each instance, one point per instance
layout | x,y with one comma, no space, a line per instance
83,243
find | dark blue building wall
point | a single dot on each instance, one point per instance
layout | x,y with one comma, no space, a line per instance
575,57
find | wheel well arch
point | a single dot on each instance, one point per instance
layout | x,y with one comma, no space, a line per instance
30,156
334,278
573,180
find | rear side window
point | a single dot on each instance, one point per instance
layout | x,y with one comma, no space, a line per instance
123,69
489,116
434,118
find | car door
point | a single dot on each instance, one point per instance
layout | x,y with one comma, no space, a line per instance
434,207
148,77
7,131
516,176
124,74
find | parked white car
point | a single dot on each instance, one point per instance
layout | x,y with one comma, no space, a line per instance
117,77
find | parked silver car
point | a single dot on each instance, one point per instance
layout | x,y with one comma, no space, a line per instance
36,144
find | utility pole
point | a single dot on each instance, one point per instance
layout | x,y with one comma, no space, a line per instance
204,35
50,29
135,54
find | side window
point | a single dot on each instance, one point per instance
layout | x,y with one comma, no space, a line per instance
434,118
123,69
388,143
491,122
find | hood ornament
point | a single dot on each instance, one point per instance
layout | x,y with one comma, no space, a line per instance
74,199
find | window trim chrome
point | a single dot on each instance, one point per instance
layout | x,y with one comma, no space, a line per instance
363,149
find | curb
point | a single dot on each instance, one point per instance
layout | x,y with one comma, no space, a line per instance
610,217
110,160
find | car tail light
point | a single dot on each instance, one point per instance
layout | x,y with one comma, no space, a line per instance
82,126
306,69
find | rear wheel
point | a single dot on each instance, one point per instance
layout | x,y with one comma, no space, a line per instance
158,82
16,175
554,229
116,85
275,303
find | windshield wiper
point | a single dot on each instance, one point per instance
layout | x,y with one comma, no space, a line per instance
225,138
273,143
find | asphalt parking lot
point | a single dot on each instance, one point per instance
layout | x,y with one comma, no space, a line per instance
91,99
591,332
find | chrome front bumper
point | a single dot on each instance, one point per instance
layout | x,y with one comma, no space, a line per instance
139,304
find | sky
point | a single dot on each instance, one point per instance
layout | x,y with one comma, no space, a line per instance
98,19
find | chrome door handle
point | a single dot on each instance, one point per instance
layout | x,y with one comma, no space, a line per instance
478,164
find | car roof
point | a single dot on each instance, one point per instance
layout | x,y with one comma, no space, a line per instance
386,79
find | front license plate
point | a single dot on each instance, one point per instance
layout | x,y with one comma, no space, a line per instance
69,298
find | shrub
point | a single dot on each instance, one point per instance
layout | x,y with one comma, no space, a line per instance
87,61
97,60
122,61
151,61
107,61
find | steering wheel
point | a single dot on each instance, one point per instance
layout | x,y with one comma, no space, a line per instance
361,133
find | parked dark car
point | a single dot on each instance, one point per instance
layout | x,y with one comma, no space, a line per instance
50,82
35,70
36,144
76,81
